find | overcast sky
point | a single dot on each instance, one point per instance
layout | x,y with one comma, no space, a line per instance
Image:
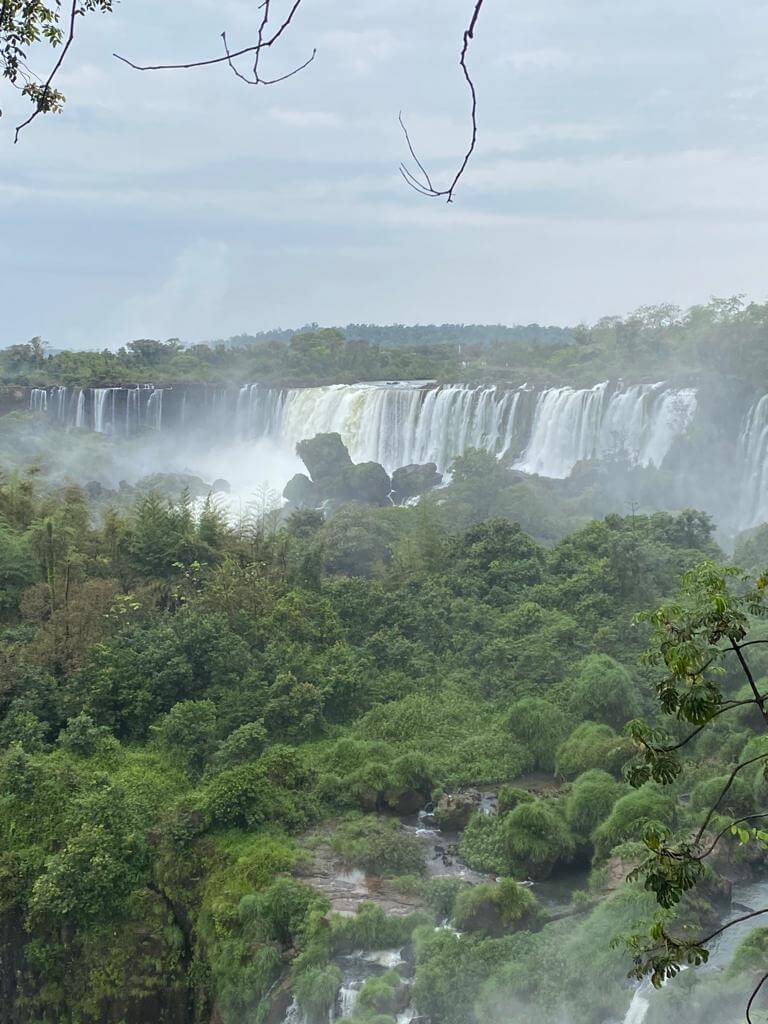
622,160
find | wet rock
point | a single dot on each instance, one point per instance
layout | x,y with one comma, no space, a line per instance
405,801
414,480
326,458
366,482
615,873
94,489
454,810
301,491
281,1000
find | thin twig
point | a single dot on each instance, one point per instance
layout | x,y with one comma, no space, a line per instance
726,787
720,711
229,56
425,186
728,827
753,997
751,679
730,924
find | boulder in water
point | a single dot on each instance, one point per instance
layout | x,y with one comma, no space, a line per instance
454,810
414,480
301,491
326,458
366,482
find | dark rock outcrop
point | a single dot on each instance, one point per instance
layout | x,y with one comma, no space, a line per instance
335,479
413,481
300,491
366,482
326,457
454,810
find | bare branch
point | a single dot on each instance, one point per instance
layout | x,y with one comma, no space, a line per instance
263,42
425,186
729,706
726,787
728,827
730,924
751,679
753,997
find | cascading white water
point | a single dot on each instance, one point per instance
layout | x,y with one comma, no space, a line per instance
641,1001
155,409
80,409
348,996
753,453
396,424
404,423
100,400
38,400
638,423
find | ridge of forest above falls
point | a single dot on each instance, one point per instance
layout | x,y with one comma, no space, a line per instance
724,337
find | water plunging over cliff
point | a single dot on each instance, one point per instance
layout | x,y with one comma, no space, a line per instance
540,431
753,452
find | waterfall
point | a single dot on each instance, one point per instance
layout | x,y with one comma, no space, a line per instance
638,423
348,995
80,409
155,409
398,423
100,400
38,400
641,1001
753,455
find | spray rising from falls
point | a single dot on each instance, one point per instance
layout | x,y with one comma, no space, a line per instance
397,424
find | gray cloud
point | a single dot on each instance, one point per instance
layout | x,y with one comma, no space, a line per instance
622,155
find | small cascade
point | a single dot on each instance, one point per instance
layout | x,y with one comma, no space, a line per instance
38,400
641,1001
80,409
101,397
753,455
293,1014
155,409
347,1001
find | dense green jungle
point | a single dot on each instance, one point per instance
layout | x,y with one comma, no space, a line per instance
491,753
724,335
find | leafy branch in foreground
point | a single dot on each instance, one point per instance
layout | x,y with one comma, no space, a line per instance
23,23
695,638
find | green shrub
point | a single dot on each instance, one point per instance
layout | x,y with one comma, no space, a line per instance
493,908
440,894
243,744
603,691
591,745
372,928
482,844
540,727
536,838
379,846
511,796
316,990
590,800
382,995
629,816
